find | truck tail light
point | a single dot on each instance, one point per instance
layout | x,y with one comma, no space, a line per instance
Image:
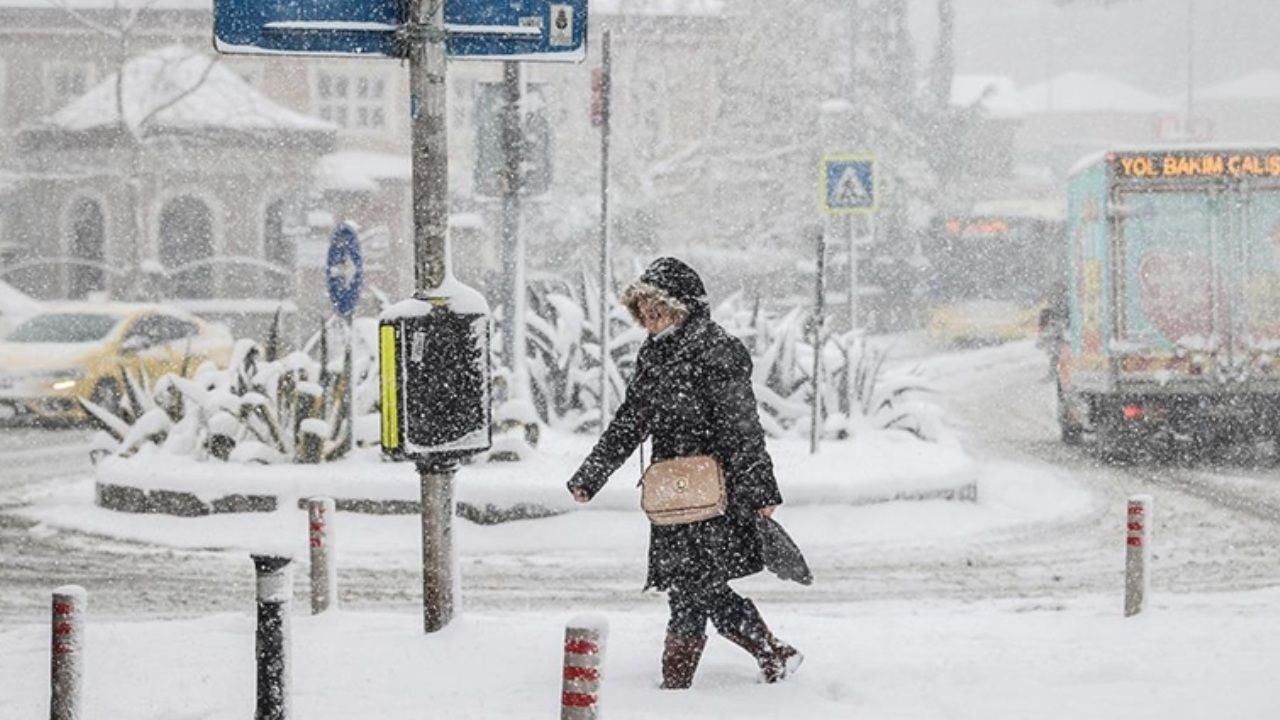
1132,412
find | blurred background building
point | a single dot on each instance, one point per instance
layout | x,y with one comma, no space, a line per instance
219,186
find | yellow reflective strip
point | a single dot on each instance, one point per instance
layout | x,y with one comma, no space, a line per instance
390,409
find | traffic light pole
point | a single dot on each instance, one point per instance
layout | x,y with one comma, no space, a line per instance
606,276
819,311
427,96
513,251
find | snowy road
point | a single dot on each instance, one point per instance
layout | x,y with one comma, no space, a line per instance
128,578
1217,528
30,459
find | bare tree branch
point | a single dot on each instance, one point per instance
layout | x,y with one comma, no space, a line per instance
135,14
130,17
87,21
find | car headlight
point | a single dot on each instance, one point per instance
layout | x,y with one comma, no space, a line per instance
64,379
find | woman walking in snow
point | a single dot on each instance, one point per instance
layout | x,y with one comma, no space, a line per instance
692,393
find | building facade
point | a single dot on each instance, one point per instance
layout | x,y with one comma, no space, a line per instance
208,213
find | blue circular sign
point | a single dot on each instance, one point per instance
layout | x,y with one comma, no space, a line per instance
344,268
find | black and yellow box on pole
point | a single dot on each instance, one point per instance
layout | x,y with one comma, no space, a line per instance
433,357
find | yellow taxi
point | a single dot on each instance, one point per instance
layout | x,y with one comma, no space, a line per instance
982,322
80,350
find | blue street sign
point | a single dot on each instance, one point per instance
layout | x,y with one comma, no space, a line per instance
848,184
475,29
516,30
310,27
345,269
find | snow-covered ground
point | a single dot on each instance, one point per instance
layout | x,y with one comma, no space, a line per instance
1190,657
1008,607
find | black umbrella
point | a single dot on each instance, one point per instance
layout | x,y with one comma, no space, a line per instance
782,556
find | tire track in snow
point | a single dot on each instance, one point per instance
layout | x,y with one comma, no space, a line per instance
1203,486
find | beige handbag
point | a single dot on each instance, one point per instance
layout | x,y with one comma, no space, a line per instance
683,490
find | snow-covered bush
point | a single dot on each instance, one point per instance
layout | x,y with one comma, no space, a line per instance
563,366
563,356
268,409
260,408
857,392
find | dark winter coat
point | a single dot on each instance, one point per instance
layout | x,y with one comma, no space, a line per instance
692,393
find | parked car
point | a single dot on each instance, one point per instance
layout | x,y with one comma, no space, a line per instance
15,306
80,350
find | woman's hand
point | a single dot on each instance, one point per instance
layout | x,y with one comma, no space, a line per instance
767,511
580,495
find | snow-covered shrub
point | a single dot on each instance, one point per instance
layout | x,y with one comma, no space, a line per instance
260,408
857,391
869,395
515,432
563,356
268,409
563,366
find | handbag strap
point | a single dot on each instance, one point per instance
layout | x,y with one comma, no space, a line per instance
641,480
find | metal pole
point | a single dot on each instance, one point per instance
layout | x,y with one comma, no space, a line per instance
436,477
349,397
427,96
855,230
817,343
851,72
606,82
871,240
428,93
1050,56
1191,27
510,182
271,640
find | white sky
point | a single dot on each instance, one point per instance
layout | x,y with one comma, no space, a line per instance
1141,41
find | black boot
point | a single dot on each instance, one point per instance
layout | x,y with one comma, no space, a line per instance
775,658
680,659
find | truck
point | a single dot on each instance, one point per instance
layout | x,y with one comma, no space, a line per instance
1171,338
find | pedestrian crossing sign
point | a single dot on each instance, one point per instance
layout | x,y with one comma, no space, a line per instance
848,184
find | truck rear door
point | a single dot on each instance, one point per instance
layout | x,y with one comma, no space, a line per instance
1256,341
1168,298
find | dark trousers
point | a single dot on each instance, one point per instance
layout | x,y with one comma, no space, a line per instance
692,607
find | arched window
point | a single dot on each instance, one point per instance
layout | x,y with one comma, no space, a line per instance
278,250
186,243
87,236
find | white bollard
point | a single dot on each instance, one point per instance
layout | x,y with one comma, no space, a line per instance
1137,552
324,572
584,638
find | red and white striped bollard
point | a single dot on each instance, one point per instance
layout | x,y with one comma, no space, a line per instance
324,573
1137,552
66,669
584,638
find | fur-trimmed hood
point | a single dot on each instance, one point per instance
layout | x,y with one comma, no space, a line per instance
671,282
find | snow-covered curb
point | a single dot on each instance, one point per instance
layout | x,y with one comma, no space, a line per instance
611,532
876,467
